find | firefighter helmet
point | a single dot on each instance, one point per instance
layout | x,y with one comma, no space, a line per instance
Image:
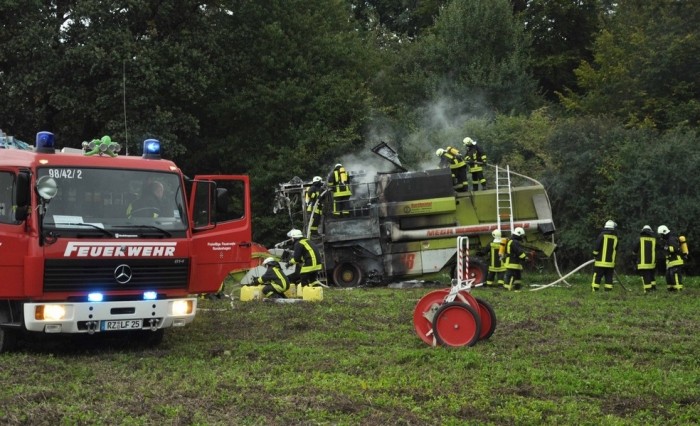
663,230
646,228
439,152
295,233
269,261
469,141
496,234
316,179
289,234
519,231
610,225
338,165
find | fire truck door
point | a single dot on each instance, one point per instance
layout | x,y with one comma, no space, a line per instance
14,241
220,215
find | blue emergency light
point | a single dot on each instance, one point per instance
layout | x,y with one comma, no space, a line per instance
45,142
150,295
151,149
95,297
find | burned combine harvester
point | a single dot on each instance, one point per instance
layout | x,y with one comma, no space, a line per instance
404,225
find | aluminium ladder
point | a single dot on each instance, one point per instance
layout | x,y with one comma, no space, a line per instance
504,198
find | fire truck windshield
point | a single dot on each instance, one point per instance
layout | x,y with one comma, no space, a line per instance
118,201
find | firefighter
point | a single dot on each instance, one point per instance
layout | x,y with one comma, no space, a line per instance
339,183
604,253
314,204
476,158
676,253
458,167
274,281
514,257
308,256
494,277
150,204
646,258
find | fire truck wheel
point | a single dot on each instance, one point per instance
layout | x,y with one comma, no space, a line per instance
477,271
8,340
488,319
348,274
456,324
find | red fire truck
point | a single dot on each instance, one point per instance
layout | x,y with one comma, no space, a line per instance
94,242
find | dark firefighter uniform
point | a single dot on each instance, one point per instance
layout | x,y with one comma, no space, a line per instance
646,258
514,257
476,158
458,167
314,205
274,281
496,266
675,250
604,254
307,255
339,183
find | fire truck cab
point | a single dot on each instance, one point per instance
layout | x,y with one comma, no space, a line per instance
94,242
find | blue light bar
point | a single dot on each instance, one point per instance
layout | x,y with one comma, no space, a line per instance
150,295
95,297
45,142
151,149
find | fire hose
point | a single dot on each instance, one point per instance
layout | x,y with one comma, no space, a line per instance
565,276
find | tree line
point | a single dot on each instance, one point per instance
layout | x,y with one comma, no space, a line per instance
597,99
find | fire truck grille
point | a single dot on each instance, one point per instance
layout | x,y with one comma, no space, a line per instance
115,274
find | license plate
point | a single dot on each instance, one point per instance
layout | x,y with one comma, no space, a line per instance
121,325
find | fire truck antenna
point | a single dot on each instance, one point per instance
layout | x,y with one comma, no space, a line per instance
126,131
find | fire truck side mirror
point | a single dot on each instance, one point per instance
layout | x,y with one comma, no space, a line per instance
22,195
47,188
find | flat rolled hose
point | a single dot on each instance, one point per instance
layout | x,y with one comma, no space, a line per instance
565,276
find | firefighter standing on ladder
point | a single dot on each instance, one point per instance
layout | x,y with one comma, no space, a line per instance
314,206
604,253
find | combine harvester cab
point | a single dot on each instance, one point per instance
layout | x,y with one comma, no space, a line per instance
404,225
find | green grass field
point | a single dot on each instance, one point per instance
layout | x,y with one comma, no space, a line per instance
560,356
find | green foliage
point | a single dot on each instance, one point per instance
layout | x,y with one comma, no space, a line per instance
478,49
644,69
636,177
558,356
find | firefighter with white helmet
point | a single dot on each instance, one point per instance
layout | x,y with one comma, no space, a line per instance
307,256
274,282
451,158
494,277
645,253
476,159
339,184
675,252
514,257
314,203
604,254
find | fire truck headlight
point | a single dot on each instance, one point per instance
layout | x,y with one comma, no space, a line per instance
50,312
181,307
